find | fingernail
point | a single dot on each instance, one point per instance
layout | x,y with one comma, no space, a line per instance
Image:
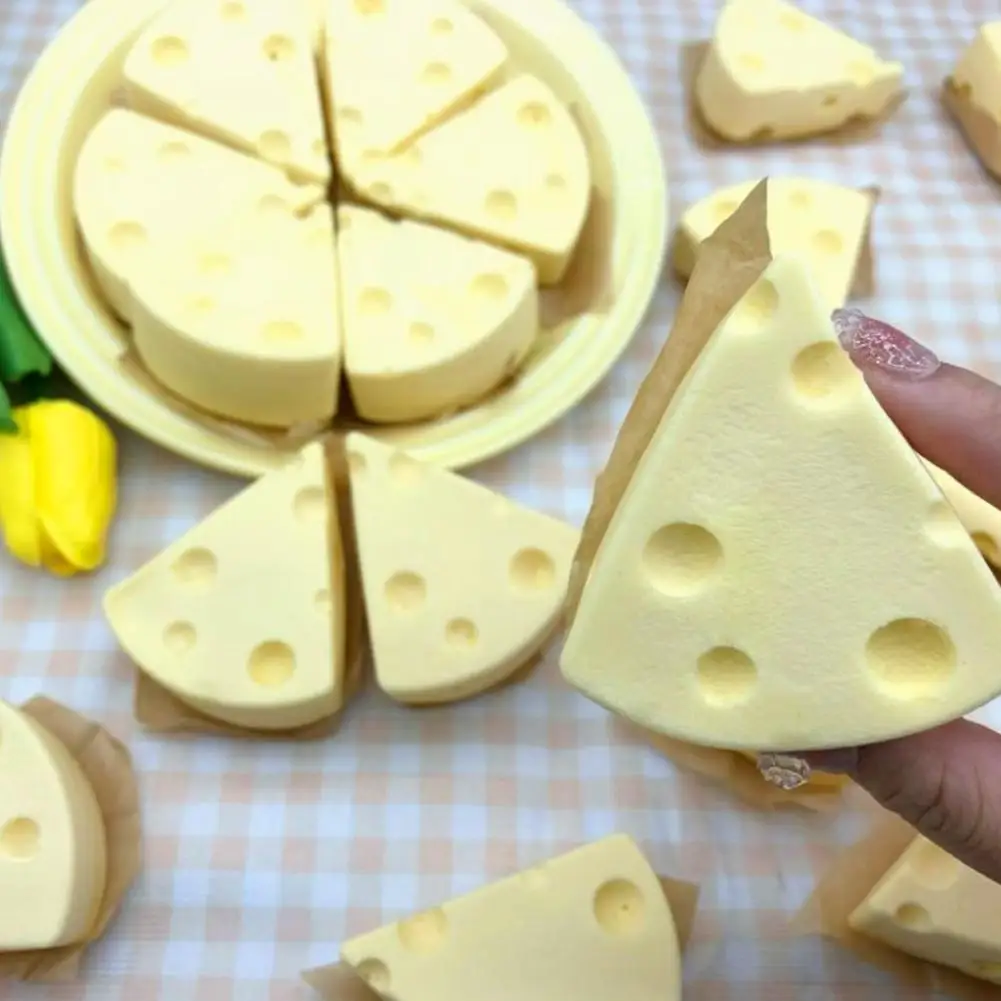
873,344
842,761
784,770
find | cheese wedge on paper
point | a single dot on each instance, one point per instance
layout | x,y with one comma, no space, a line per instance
971,95
395,68
433,321
932,906
772,71
462,586
512,168
240,71
576,926
243,616
826,223
781,572
53,852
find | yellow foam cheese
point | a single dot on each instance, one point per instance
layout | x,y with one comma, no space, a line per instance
781,571
432,321
932,906
512,168
462,586
395,68
773,71
825,223
973,88
243,616
980,519
240,71
53,853
577,926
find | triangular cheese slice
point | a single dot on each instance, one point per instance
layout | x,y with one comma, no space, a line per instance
772,71
825,223
781,572
395,68
243,616
53,855
970,94
576,926
932,906
980,519
240,71
433,321
462,586
512,169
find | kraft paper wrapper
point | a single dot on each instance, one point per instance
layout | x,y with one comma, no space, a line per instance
107,765
855,130
981,131
339,982
162,712
847,882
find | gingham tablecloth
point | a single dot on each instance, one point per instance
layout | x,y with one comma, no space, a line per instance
260,858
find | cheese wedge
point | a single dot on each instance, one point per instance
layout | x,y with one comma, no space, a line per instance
932,906
138,183
980,519
432,321
971,94
53,853
772,71
462,586
576,926
781,571
512,169
395,68
243,616
825,223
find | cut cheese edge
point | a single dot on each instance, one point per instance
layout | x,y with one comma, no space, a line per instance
53,850
512,168
395,68
462,586
599,910
827,224
432,321
240,71
243,617
980,519
801,583
932,906
971,95
772,71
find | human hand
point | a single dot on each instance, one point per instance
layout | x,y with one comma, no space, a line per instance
946,782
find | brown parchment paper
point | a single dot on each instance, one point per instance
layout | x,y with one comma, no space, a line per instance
162,712
855,130
981,131
107,765
339,982
847,882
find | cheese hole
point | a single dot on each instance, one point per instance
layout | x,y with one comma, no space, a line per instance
380,191
792,20
555,182
375,973
988,547
271,664
127,236
822,371
356,462
912,916
943,527
367,7
423,932
173,150
800,199
828,241
19,839
751,61
534,114
406,591
489,286
179,638
934,866
196,568
681,559
282,331
321,600
214,264
436,73
759,305
830,101
114,164
233,11
532,570
200,305
272,205
461,633
279,48
861,72
619,907
910,658
310,504
420,333
502,204
726,676
441,26
374,301
352,116
404,470
723,208
274,145
169,51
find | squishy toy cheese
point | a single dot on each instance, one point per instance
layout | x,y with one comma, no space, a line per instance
971,95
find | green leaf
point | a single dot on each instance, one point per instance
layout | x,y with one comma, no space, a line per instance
21,350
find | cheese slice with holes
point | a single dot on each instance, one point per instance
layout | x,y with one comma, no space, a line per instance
571,927
462,586
243,616
932,906
980,519
772,71
971,93
395,68
825,223
433,321
138,183
52,840
240,71
512,169
781,571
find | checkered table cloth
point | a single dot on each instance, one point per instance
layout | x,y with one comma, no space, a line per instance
260,858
